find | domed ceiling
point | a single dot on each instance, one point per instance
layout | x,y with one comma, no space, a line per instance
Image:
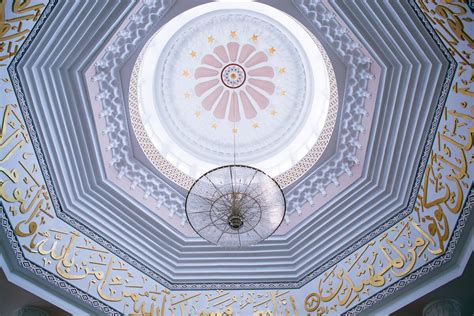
361,113
229,74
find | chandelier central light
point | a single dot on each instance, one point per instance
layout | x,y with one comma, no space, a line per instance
235,206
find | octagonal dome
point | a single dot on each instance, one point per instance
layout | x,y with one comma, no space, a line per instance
392,180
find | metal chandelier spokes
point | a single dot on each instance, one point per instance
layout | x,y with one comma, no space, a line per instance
235,206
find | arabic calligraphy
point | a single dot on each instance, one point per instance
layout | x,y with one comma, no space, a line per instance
447,178
379,262
12,30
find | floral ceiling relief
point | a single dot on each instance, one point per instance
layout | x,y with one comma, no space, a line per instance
229,68
232,76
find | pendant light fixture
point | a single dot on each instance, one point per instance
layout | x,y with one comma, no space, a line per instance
235,205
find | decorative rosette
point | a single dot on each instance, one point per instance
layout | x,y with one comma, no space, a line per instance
234,81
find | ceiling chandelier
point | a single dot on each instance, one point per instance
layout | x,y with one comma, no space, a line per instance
235,206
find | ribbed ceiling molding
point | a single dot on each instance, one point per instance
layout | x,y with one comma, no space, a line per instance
406,105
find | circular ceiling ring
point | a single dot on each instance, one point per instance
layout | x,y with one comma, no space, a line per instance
280,111
233,76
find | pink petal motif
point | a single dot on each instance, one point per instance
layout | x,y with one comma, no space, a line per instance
249,110
265,85
261,100
245,52
211,61
258,58
205,72
233,49
204,86
219,111
209,101
221,53
234,113
222,100
262,72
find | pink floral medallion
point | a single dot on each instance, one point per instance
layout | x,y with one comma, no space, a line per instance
233,81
